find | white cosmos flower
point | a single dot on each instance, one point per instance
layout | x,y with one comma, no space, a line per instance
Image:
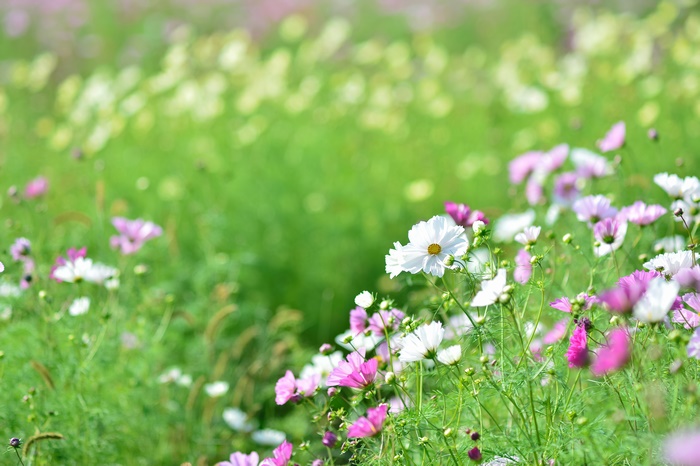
430,244
675,186
237,420
394,260
422,343
83,268
529,235
216,389
509,225
450,356
657,301
351,342
269,437
670,244
491,290
322,365
670,263
79,306
364,299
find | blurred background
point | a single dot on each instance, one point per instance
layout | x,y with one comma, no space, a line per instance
284,145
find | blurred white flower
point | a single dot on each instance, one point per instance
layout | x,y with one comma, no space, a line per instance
450,356
216,389
269,437
237,420
79,306
491,290
657,301
509,225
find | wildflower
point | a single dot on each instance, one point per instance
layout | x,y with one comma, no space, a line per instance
216,389
364,300
321,364
450,356
694,345
593,209
270,437
79,306
669,244
566,189
385,319
36,187
614,139
614,355
72,254
354,373
689,318
457,326
491,290
175,375
20,249
657,300
557,332
237,420
133,234
675,186
681,448
329,439
358,320
670,263
534,191
577,354
394,260
523,267
288,388
430,244
370,425
281,455
589,164
689,278
641,214
506,227
422,343
522,166
83,269
528,236
463,215
241,459
610,233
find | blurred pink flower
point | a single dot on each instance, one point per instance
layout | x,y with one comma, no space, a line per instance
681,448
133,234
36,187
370,425
614,355
289,388
642,214
385,319
282,455
523,267
463,215
240,459
614,139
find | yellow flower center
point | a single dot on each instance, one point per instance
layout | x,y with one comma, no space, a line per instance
434,249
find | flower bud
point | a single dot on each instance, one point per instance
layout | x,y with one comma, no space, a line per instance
567,238
329,439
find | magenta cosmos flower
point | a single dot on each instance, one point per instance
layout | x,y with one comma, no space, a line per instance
614,139
353,373
463,215
370,425
133,234
577,354
36,187
241,459
281,455
614,355
289,388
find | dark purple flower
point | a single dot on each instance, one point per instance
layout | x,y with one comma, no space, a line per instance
475,454
329,439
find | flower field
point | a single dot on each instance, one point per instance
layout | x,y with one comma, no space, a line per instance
389,232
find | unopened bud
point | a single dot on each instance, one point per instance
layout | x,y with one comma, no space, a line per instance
567,238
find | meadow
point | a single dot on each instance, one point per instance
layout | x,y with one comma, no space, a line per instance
279,155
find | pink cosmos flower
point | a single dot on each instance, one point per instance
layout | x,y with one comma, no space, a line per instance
694,345
358,320
577,354
282,455
385,319
289,388
593,209
589,164
534,191
614,139
241,459
689,318
554,159
28,270
133,234
563,304
566,189
628,292
463,215
689,278
614,355
355,373
610,234
523,267
36,187
681,448
557,332
641,214
20,249
520,167
370,425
